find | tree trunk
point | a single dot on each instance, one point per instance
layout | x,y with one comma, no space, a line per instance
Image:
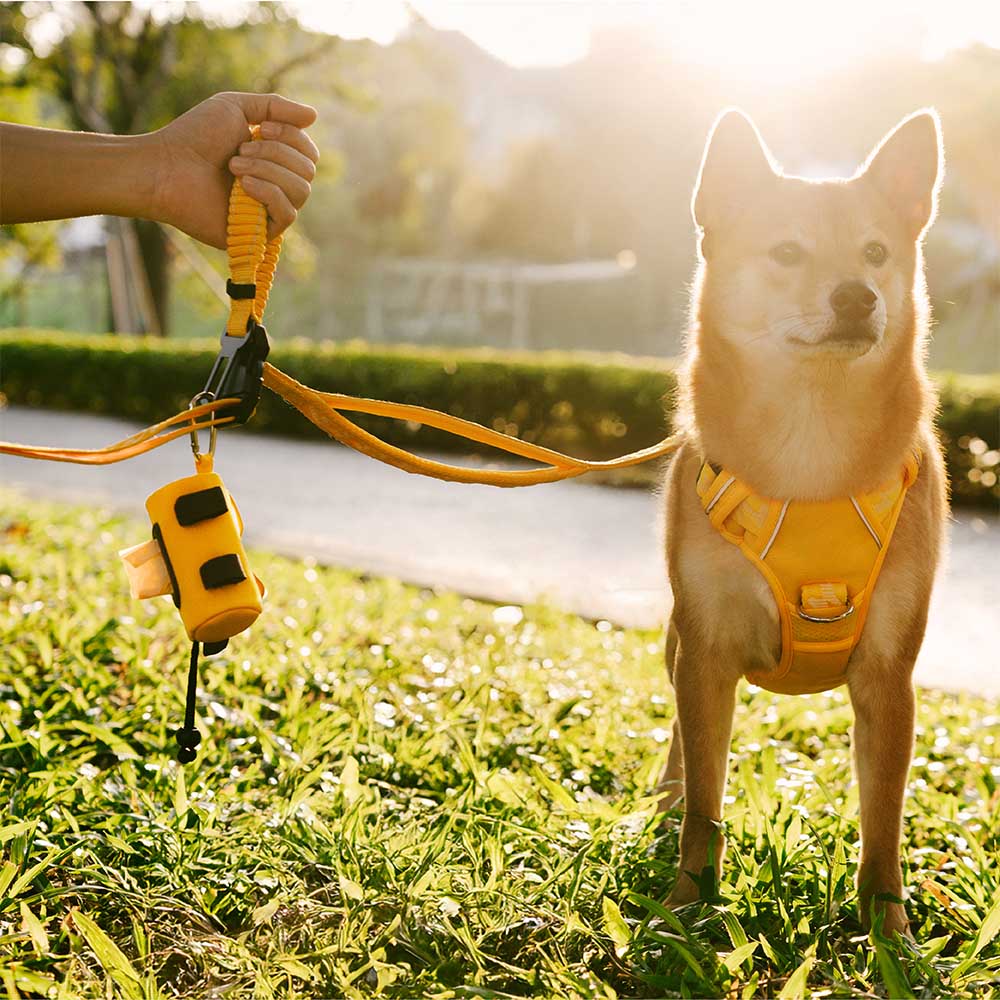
109,305
156,258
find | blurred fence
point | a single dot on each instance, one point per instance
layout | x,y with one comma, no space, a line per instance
581,305
585,304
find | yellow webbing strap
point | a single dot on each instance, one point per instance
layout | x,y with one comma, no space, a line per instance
252,261
146,440
322,409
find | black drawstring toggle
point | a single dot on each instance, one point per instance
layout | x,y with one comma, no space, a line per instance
188,737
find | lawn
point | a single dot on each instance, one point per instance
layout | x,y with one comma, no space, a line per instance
409,794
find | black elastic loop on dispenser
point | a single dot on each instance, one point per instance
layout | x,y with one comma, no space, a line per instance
222,571
188,737
203,505
237,291
175,591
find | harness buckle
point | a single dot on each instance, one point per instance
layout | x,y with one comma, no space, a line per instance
237,372
824,621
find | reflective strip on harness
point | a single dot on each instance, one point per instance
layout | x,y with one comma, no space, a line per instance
824,600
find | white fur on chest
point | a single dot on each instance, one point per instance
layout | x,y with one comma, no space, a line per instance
727,600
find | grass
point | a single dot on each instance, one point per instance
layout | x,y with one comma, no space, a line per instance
408,794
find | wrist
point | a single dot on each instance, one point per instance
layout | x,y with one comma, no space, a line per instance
133,165
119,174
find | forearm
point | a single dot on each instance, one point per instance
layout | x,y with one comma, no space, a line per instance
48,174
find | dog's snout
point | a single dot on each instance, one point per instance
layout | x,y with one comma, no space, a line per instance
853,300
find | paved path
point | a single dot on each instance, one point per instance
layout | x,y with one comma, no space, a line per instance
590,549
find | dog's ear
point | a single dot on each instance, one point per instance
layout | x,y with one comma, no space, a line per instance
735,167
907,166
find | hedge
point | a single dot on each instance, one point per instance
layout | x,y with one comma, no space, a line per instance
591,405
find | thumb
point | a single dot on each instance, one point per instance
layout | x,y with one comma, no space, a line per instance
272,107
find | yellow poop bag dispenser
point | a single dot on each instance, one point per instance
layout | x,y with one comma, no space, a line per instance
196,554
197,557
198,528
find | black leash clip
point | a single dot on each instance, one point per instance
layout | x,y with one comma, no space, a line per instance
237,372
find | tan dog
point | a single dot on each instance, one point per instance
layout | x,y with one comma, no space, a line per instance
804,397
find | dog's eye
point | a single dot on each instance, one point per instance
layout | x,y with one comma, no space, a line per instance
788,254
876,254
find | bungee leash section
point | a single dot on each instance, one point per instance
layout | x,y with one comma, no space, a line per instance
196,555
323,409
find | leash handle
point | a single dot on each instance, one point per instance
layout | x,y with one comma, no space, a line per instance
253,258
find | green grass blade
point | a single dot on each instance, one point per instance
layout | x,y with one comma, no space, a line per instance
112,959
893,976
795,988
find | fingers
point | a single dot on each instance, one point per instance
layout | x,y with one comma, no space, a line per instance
262,107
276,170
277,176
290,136
276,152
295,187
281,212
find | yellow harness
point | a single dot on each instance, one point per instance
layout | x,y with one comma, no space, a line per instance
821,560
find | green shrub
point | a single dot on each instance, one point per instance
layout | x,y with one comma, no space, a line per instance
590,405
969,420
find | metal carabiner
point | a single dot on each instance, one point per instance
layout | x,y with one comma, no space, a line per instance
203,397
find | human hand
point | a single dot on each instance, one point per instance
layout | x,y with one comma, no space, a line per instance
197,155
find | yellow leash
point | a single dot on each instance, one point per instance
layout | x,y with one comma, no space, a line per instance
185,422
196,554
252,263
322,408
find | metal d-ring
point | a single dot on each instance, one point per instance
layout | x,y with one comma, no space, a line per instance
837,618
202,397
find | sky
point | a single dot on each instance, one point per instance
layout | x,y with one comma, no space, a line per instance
773,37
775,41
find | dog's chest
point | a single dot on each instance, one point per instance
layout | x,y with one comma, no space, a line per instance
730,602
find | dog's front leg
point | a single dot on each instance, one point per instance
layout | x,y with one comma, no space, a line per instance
671,783
883,746
706,697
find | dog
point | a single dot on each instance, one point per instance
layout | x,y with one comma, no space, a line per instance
804,379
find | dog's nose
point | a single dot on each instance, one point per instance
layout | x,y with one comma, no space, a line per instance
853,300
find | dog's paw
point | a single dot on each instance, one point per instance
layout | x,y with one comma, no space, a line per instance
685,891
896,922
889,917
688,888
